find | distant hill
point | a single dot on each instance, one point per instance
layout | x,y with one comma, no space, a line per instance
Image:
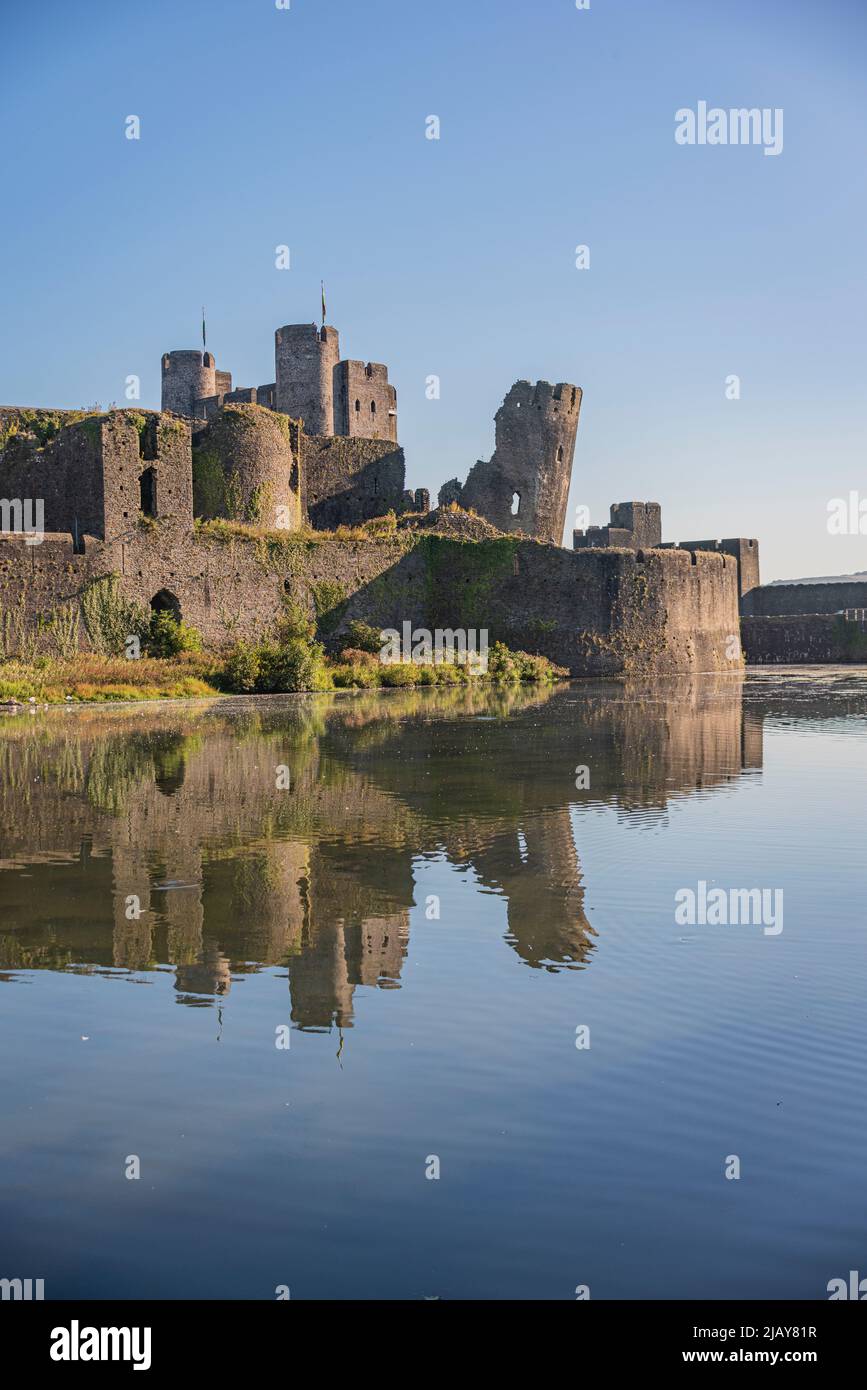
859,578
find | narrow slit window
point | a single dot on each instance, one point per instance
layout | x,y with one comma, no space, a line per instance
147,486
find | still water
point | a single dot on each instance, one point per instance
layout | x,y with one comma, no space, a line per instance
422,919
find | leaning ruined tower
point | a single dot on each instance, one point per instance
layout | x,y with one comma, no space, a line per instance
524,486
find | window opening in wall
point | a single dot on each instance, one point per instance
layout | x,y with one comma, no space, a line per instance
147,485
147,439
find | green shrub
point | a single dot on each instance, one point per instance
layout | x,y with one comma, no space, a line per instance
294,625
288,667
167,637
402,673
350,676
364,637
448,673
110,618
241,670
63,629
502,665
286,663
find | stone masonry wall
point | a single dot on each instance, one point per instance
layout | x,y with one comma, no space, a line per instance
595,612
305,358
365,405
347,481
773,599
803,639
245,469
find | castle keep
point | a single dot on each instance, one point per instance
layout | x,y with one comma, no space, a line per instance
312,385
227,500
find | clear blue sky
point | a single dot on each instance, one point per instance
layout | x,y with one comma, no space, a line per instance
306,127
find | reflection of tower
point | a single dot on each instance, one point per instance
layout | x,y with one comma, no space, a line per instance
182,903
132,937
319,980
375,949
536,869
753,734
211,974
355,934
339,955
270,896
547,923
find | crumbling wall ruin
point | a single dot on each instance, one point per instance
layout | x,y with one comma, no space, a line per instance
524,487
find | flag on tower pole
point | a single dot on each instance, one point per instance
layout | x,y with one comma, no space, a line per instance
204,338
322,283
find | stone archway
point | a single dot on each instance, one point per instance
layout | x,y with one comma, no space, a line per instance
166,602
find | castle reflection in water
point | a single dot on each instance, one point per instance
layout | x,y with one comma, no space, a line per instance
179,808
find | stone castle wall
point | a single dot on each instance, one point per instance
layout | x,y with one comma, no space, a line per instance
189,376
804,639
595,612
89,472
744,551
347,481
789,599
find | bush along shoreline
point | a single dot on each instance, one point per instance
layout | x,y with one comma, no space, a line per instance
139,656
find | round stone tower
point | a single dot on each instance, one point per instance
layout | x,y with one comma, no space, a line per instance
188,376
305,357
244,469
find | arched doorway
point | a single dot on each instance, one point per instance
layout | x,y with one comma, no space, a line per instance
166,602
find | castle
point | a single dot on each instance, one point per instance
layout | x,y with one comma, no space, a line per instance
226,500
332,397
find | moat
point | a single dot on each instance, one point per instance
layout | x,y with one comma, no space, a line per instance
287,951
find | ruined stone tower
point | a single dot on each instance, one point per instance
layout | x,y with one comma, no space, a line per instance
306,357
525,485
244,469
187,377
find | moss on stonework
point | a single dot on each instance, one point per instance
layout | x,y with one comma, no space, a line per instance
329,601
262,505
92,427
285,552
171,427
44,425
140,421
461,575
209,484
